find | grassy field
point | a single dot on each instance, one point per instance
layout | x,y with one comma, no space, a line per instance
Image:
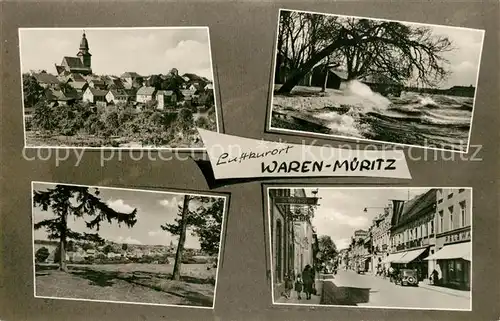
138,283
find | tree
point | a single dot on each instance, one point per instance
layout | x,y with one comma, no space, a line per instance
205,220
65,201
32,91
108,248
327,248
42,254
370,47
124,246
44,116
182,229
185,118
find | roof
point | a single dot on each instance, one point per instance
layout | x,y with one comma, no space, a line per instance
77,77
74,63
130,74
78,84
417,206
46,78
97,92
119,93
59,95
98,81
148,91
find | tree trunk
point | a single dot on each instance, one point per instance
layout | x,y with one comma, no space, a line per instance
299,74
62,244
176,275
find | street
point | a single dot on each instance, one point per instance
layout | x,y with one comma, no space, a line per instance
350,288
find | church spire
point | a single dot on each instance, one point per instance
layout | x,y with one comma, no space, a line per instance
84,44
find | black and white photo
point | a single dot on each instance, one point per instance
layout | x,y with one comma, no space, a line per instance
375,80
377,247
126,245
141,88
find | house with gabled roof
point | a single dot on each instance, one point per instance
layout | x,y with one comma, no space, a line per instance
131,79
46,80
93,95
166,98
145,94
116,96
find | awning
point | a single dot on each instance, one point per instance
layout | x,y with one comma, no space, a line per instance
453,251
410,256
393,257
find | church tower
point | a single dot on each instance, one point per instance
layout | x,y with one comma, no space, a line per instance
84,53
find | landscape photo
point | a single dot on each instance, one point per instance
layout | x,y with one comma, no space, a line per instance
128,88
126,246
371,247
375,80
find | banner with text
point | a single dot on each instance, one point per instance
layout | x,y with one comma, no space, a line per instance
237,157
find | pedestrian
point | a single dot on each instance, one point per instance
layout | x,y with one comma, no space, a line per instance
298,285
391,273
288,285
308,280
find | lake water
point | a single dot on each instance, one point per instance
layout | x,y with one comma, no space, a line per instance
416,119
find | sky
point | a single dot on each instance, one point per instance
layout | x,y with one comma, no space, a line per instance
153,210
341,210
115,51
465,58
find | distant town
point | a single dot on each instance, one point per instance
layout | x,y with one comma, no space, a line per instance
77,107
109,252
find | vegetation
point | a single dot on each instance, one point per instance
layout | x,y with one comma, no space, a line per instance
387,49
65,201
205,220
327,249
42,254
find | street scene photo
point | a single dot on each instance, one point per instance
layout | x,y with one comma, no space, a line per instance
378,80
126,246
117,87
371,247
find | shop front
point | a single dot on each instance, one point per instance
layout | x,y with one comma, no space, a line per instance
454,263
414,259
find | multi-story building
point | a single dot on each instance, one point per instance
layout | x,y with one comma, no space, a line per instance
292,236
303,234
380,238
412,233
452,259
359,252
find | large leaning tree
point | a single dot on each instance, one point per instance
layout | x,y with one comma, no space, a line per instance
203,215
75,202
387,49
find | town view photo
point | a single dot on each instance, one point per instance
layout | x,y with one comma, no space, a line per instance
375,80
117,87
377,247
126,246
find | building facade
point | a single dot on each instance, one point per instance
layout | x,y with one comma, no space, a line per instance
381,231
413,234
452,259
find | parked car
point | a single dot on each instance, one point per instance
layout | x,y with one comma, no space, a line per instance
407,277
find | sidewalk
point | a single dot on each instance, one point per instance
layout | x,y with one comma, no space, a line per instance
442,289
293,299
